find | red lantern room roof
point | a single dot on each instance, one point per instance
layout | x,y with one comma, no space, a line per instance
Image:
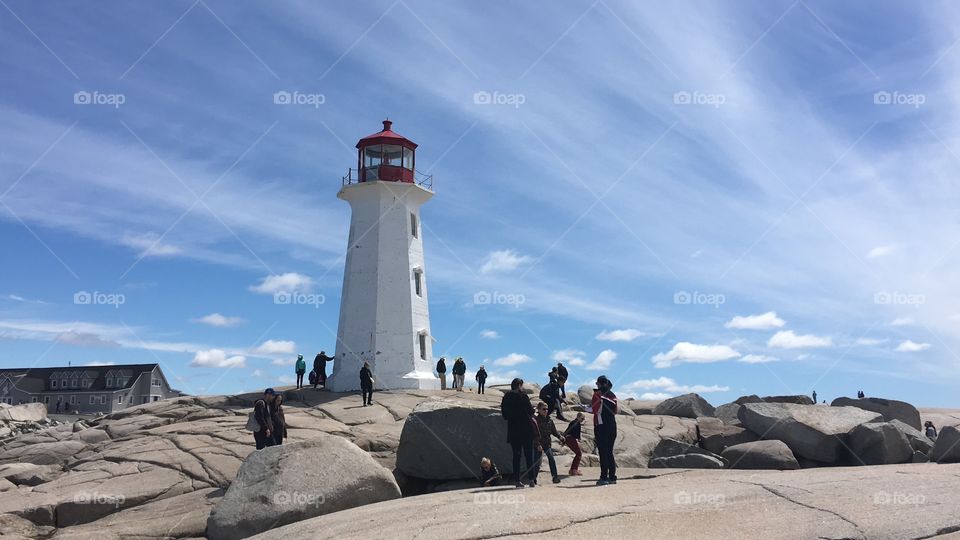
387,136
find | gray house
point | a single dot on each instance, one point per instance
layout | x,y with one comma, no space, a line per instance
87,389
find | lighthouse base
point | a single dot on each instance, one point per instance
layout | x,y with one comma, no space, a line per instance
415,380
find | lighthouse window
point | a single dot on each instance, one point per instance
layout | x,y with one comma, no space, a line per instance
423,346
413,224
392,154
372,156
408,158
418,282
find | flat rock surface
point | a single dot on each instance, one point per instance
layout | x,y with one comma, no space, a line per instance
889,501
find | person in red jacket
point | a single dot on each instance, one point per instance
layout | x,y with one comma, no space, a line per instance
604,409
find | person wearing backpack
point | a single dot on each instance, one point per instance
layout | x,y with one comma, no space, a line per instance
481,379
260,420
562,376
301,368
442,372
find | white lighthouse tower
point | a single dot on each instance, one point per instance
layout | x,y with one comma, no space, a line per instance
384,319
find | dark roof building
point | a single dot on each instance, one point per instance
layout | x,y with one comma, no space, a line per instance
92,389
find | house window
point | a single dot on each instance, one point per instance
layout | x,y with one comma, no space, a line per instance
46,399
423,346
73,383
131,399
93,399
73,400
156,398
103,399
417,282
146,399
155,381
53,384
33,399
120,399
87,383
109,382
413,224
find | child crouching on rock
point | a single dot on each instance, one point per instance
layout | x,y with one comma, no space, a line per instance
489,475
571,438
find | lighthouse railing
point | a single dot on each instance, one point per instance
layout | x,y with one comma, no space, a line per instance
419,178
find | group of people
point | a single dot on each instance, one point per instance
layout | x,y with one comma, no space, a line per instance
530,433
459,371
267,422
317,377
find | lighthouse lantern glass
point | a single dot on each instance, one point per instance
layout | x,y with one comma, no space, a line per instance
392,154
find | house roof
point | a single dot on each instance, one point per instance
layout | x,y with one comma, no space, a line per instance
34,380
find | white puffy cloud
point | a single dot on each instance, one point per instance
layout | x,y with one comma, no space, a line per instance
670,387
503,261
655,396
912,346
217,358
150,245
627,334
763,321
758,359
603,360
570,356
512,359
881,251
489,334
283,283
271,347
692,353
256,373
787,339
870,342
98,363
218,320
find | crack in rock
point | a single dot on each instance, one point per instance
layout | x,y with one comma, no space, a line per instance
559,528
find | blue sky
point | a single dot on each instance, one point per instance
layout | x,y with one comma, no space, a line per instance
754,197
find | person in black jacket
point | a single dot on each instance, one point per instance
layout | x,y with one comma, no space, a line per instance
278,419
516,409
262,413
320,366
366,384
604,409
442,372
481,379
550,394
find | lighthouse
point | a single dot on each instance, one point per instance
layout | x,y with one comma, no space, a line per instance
384,316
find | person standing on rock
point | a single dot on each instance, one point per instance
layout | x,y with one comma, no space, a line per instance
442,372
366,384
571,438
320,366
261,412
604,409
550,394
278,419
481,379
929,430
301,368
814,397
459,370
562,376
546,428
516,409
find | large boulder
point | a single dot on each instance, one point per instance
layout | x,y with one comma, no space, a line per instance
878,443
671,447
947,447
813,432
639,406
891,409
727,413
27,412
293,482
445,440
715,435
687,461
918,441
797,399
585,393
685,406
761,455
